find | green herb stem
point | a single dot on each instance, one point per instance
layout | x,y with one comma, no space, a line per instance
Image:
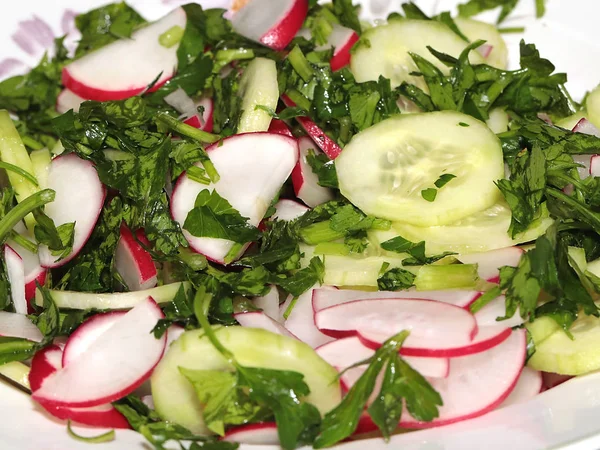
187,130
319,232
454,276
32,143
301,64
225,57
332,249
99,439
299,99
512,30
24,208
23,242
171,37
16,169
202,299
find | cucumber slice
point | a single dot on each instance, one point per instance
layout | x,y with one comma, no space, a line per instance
385,50
258,87
475,30
498,120
480,232
349,271
174,396
560,354
17,373
13,151
541,329
568,123
40,161
385,168
592,105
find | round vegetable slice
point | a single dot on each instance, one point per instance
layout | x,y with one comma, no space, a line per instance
480,232
174,396
388,169
593,106
494,50
389,45
258,87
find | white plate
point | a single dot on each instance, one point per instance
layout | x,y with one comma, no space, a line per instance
566,417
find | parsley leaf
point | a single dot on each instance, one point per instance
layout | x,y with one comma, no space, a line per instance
396,279
415,250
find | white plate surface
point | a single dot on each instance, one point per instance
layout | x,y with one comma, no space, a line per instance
567,417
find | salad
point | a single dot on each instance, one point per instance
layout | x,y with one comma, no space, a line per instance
278,224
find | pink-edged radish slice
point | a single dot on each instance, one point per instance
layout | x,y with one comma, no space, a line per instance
252,167
485,50
489,263
528,386
87,333
204,121
551,380
34,272
133,262
113,366
432,324
280,127
269,303
47,362
343,353
477,384
305,181
300,320
79,198
595,166
324,142
586,127
16,276
258,319
254,434
96,77
173,333
273,24
19,326
288,210
148,401
486,338
584,170
487,315
325,298
68,100
342,40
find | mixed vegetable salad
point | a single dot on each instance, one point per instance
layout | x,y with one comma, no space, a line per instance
280,225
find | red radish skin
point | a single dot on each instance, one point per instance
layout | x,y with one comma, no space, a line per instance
305,181
342,39
90,330
253,168
258,319
68,100
44,363
19,326
280,127
206,123
115,364
31,286
95,76
254,434
489,263
16,276
272,24
433,324
528,386
133,262
325,298
79,198
325,143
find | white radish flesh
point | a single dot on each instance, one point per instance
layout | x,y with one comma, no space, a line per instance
114,365
19,326
68,100
528,386
133,262
595,166
254,434
258,319
16,276
489,263
252,167
269,303
487,315
586,127
342,40
288,210
300,320
305,181
96,77
34,272
79,198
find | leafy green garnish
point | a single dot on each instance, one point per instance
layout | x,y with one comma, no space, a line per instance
415,250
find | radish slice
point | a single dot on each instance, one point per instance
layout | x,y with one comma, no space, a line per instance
95,76
280,127
586,127
528,386
477,384
487,315
87,333
305,181
273,24
114,365
19,326
253,168
325,143
288,210
258,319
324,298
254,434
342,40
300,321
47,362
432,324
485,50
489,263
16,276
79,198
584,170
173,334
346,352
68,100
269,303
204,121
133,262
595,166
